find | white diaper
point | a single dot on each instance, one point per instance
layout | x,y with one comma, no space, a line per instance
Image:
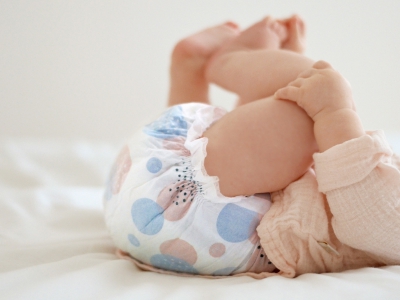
163,209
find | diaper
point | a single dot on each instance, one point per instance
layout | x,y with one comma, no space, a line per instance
163,210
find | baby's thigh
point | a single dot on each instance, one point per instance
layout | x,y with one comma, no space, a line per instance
260,147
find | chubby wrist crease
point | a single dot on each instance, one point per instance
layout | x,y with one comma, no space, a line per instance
337,127
340,113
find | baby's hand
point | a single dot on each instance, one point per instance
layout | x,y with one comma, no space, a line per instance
326,97
320,91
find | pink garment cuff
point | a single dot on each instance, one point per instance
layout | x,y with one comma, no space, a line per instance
351,161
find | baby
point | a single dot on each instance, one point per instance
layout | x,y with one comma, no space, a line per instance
286,183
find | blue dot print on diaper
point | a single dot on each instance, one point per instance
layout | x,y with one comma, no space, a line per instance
236,224
154,165
172,263
171,124
133,240
147,216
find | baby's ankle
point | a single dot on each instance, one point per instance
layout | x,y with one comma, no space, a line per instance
216,65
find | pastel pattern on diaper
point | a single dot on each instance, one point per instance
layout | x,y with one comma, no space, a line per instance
176,199
133,240
217,250
236,224
147,215
176,255
118,173
176,144
171,124
154,165
172,263
180,249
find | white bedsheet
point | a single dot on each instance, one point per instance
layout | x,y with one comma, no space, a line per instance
54,244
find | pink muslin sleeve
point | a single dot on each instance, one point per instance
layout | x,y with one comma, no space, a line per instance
361,180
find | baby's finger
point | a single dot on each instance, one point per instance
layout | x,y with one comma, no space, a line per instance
321,64
288,93
307,73
297,82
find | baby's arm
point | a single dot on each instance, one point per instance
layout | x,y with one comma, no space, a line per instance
327,98
357,171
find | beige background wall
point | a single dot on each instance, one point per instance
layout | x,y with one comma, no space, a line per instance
99,69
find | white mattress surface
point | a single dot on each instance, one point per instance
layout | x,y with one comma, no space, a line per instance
54,243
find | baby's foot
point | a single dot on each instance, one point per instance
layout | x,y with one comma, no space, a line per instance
296,38
198,47
189,59
265,34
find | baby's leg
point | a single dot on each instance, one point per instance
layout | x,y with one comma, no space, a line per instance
260,147
188,61
261,60
266,144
